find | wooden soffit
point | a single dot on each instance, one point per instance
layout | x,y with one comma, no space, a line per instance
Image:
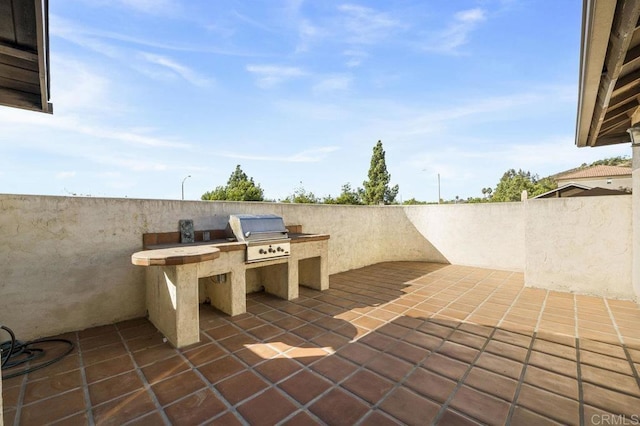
609,86
24,54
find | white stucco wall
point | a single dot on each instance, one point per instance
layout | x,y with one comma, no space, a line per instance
65,261
580,245
484,235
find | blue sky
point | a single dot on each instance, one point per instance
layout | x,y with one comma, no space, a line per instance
146,92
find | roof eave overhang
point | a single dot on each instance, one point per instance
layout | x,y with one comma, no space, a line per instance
608,27
12,95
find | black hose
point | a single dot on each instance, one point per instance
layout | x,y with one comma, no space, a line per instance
15,353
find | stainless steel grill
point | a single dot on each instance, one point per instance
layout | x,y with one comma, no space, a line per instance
265,235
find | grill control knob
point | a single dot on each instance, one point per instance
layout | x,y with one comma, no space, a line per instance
279,249
271,250
262,251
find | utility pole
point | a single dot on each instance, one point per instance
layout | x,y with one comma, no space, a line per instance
439,188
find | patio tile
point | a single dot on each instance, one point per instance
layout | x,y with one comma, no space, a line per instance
457,351
408,352
423,340
278,368
265,332
451,418
105,353
52,409
222,331
152,419
368,386
378,418
220,369
339,408
358,353
334,368
392,365
289,323
409,407
305,386
164,369
301,419
491,383
430,384
604,361
556,349
255,354
267,408
51,386
153,354
522,416
177,386
556,383
602,348
610,379
195,409
446,366
555,364
611,401
480,406
330,340
564,410
114,387
204,354
241,386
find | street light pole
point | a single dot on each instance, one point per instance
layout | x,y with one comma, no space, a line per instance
183,185
438,188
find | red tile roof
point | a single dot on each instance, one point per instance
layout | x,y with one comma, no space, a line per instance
594,172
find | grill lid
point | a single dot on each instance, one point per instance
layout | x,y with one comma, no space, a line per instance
248,227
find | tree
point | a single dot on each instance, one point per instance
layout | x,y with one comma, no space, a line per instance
300,195
239,187
349,195
376,189
513,183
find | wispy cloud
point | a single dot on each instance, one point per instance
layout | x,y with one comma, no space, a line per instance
94,40
333,83
176,68
308,156
457,33
355,57
366,25
269,76
149,7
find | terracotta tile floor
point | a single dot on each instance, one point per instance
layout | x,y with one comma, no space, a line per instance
393,343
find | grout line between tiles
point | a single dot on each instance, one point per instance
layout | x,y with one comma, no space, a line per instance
145,382
85,384
525,364
578,366
635,372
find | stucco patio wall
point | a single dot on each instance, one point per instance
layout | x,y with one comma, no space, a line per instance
580,245
483,235
65,261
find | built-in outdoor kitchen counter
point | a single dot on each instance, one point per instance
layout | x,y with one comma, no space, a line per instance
213,269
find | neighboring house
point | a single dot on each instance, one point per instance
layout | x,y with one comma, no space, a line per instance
578,190
609,177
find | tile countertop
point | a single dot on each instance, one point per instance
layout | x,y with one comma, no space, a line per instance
182,254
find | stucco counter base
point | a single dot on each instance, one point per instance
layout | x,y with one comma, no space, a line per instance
173,286
172,289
